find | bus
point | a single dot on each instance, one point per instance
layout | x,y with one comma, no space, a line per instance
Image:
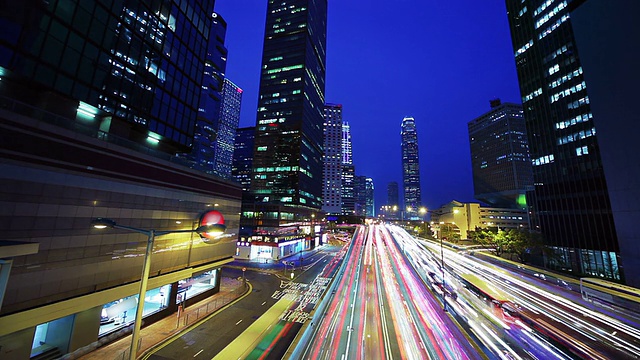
500,303
607,293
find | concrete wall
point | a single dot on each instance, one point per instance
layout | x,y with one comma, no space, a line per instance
17,345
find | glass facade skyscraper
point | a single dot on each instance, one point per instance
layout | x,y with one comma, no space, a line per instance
410,167
202,156
369,188
287,162
348,173
134,68
570,203
287,176
228,119
500,160
332,174
243,156
393,194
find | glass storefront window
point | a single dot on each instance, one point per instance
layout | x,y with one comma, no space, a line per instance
191,287
120,313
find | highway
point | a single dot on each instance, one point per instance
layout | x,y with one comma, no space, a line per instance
381,309
539,320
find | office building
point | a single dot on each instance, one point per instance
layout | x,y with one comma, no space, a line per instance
500,160
360,196
348,173
203,154
287,163
390,211
393,194
370,206
332,173
93,107
121,62
460,218
243,156
410,168
570,203
228,119
603,31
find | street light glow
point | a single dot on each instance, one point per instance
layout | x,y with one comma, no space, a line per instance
103,223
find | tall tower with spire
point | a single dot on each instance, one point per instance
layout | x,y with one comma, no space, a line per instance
410,167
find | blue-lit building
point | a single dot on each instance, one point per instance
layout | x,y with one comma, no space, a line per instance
96,98
243,156
203,153
348,173
228,119
410,168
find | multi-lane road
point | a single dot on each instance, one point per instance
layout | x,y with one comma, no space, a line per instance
526,317
383,297
379,308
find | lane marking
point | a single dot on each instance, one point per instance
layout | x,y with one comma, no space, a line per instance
239,322
198,353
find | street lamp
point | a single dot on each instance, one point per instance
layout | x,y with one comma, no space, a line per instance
211,230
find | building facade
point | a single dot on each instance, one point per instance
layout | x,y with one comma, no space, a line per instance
370,205
500,160
348,206
96,99
460,218
332,173
602,29
228,119
243,156
360,196
286,182
207,134
570,203
393,194
120,61
410,168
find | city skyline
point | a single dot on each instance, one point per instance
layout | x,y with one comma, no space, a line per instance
434,58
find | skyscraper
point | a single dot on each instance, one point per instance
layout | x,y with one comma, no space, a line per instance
393,194
120,61
243,156
570,204
202,155
348,173
370,209
228,119
287,163
360,195
500,159
332,173
410,167
602,31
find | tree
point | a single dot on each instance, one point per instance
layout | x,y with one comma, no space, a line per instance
523,242
501,241
481,236
449,232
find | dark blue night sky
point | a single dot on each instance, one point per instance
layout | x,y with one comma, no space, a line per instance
438,61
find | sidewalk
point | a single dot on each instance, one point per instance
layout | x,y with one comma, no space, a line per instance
156,333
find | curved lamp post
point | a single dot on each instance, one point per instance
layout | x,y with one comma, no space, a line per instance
102,223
